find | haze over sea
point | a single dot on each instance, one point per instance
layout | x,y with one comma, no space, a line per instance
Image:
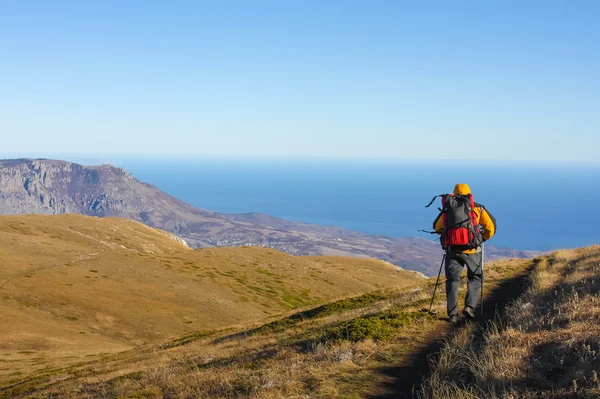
538,206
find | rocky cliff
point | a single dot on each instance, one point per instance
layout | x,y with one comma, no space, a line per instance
54,187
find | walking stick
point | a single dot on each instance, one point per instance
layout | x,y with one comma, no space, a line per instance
482,261
436,283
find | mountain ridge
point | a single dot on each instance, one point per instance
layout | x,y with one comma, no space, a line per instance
53,187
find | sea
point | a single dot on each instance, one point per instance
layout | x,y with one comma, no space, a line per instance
538,206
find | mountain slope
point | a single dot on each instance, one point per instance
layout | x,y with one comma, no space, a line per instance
73,286
349,348
55,187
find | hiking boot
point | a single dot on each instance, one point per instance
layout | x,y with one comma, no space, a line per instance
469,313
453,319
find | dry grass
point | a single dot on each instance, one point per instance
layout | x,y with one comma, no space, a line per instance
300,356
76,288
545,345
227,334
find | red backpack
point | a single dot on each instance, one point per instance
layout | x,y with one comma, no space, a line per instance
461,230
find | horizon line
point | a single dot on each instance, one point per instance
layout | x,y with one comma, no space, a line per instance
71,157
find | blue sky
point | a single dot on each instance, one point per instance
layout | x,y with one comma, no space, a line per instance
494,80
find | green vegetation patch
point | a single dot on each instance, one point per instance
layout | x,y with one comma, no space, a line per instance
323,310
186,339
265,272
349,304
241,280
28,303
381,326
295,300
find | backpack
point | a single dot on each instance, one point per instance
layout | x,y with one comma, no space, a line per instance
461,231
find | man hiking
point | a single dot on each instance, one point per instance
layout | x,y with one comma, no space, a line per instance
460,224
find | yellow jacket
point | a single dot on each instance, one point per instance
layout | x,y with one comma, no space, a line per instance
484,218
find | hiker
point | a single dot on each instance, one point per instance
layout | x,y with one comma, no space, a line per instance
469,226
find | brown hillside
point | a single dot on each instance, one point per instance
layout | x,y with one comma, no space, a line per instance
73,286
370,345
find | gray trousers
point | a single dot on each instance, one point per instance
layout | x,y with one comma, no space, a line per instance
455,261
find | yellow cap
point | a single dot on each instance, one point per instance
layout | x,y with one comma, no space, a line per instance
462,189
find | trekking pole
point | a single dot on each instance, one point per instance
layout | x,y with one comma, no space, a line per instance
436,283
482,261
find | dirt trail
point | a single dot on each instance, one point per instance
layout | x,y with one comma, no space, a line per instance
404,380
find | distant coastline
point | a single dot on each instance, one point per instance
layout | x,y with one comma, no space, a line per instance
539,206
388,198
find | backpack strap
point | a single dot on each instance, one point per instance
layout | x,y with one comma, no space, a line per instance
472,201
433,199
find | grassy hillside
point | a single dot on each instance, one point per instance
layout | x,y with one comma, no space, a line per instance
75,288
349,348
545,345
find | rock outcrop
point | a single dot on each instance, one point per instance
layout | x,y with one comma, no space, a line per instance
54,187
